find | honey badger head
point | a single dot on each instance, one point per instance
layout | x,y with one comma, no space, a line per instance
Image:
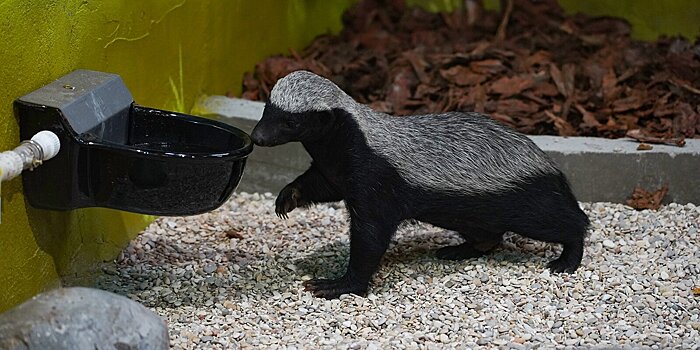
301,108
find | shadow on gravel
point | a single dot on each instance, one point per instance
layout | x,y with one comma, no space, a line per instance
174,273
416,254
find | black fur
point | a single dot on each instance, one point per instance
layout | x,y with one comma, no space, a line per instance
378,200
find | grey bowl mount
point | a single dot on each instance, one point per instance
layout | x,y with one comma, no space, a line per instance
117,154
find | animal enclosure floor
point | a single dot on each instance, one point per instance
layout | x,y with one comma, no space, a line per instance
232,278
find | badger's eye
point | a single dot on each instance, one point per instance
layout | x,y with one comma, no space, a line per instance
291,123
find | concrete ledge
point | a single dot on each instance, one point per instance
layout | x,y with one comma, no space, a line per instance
600,170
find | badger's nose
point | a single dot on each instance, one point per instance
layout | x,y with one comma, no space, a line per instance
258,137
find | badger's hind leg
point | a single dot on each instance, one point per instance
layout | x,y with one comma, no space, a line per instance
570,234
476,245
570,257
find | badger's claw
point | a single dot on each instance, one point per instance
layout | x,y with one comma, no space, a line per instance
332,289
287,200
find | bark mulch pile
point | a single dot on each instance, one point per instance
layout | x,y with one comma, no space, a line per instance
550,74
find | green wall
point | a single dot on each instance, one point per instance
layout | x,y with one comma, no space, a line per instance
649,18
140,40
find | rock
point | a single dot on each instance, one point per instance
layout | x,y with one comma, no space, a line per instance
209,268
82,318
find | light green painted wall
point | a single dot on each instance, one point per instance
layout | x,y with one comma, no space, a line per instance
649,18
140,40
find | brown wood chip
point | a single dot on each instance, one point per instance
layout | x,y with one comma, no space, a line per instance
589,75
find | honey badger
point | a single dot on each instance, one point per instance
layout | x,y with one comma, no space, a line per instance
459,171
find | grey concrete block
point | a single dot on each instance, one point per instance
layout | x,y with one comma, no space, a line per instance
598,169
81,318
608,170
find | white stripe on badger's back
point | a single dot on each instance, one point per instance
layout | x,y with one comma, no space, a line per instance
453,152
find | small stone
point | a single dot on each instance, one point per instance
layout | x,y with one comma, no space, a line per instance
209,268
608,243
483,341
500,342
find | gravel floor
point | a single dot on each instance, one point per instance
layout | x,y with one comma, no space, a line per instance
232,278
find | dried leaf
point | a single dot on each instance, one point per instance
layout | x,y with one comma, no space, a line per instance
564,127
512,107
564,80
684,84
569,74
539,58
545,89
643,199
490,66
610,90
640,136
589,120
634,101
507,87
400,89
424,91
462,76
420,66
685,120
479,98
503,118
233,233
644,147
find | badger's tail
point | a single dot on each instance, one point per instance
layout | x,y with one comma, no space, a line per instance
578,220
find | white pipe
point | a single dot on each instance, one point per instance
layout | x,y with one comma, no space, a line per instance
29,154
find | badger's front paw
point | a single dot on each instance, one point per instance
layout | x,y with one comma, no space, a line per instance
332,289
287,200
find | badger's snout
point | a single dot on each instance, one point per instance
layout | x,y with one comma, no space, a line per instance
260,138
267,135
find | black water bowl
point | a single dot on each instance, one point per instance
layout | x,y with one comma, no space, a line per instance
120,155
173,164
